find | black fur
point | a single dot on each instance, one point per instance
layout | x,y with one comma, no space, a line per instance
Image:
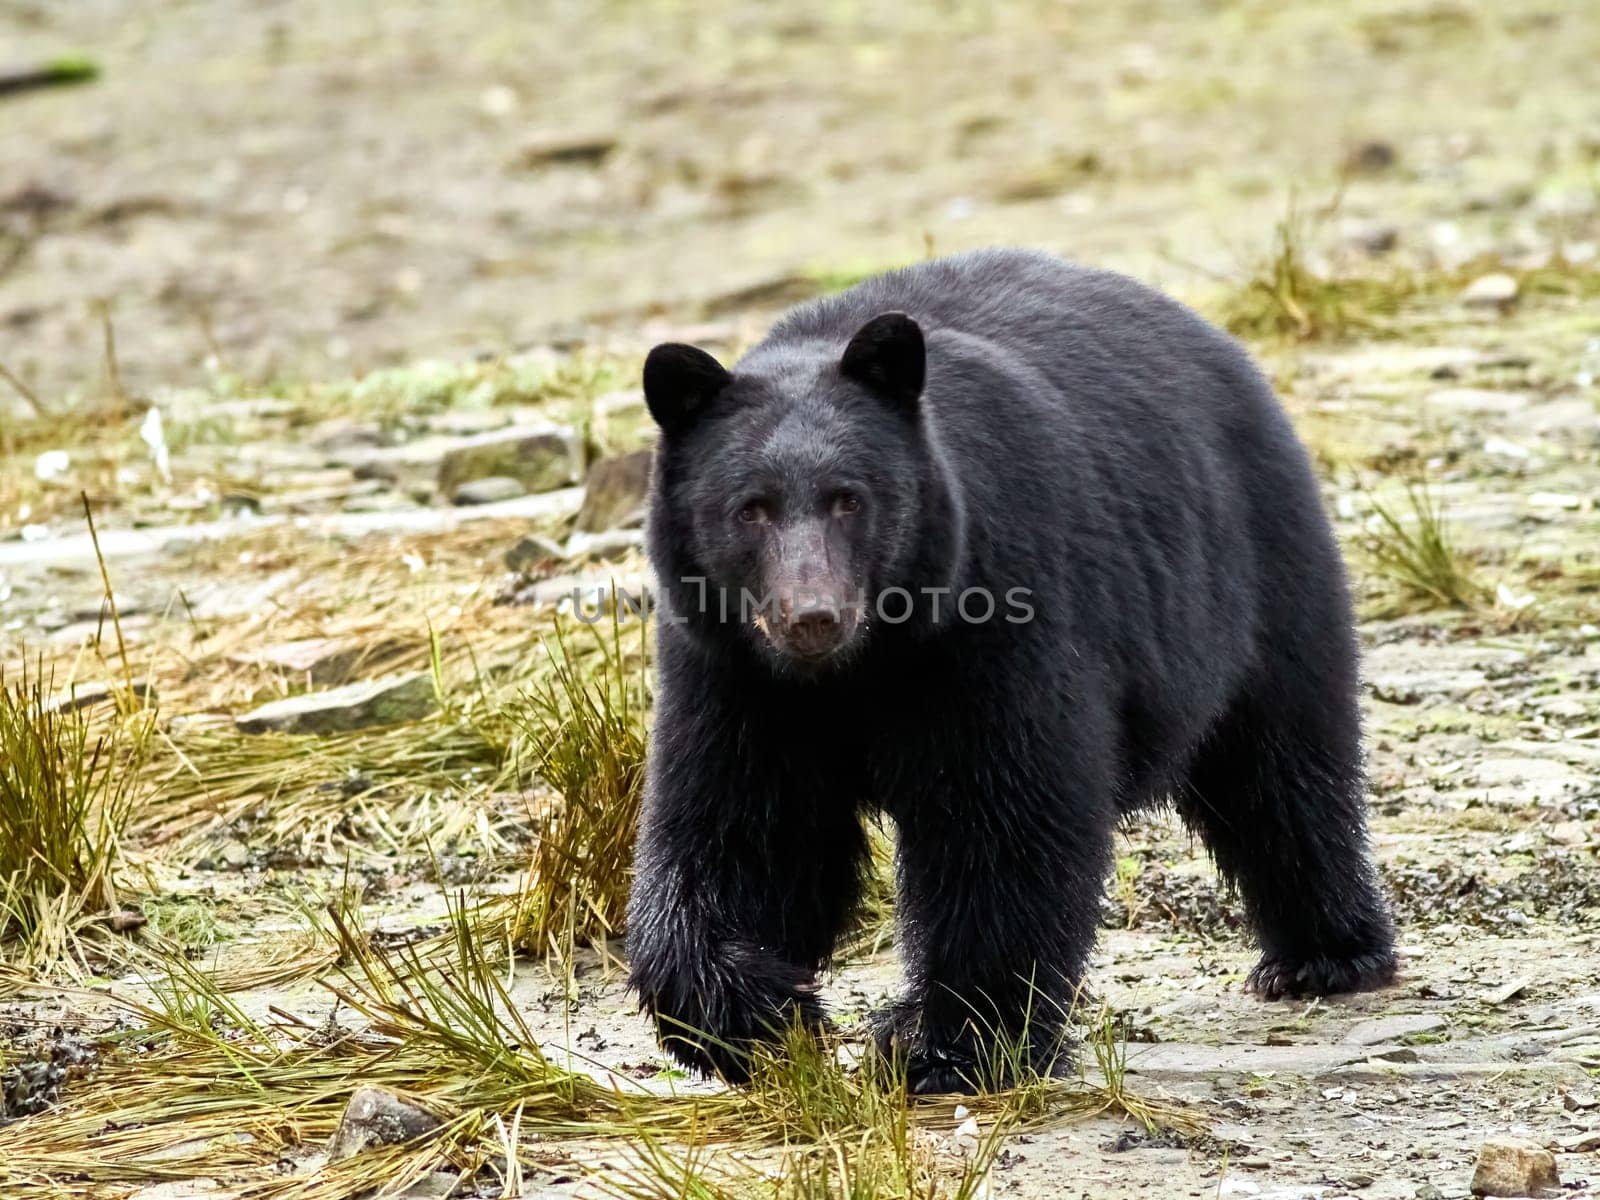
1078,436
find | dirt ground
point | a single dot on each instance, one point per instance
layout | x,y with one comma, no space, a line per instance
504,204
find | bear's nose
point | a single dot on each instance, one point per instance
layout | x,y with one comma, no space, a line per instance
814,616
814,630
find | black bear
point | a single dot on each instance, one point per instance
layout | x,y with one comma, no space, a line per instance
1005,548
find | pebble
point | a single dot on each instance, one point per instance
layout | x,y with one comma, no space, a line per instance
566,149
1496,290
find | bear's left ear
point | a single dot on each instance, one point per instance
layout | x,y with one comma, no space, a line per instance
887,355
678,380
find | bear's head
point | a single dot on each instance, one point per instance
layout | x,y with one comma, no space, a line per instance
793,490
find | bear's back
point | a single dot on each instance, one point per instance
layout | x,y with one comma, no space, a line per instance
1012,298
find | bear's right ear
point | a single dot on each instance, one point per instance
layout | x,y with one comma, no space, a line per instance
889,356
678,381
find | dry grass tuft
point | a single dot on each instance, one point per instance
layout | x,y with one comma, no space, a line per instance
846,1134
1415,550
1286,297
585,729
67,791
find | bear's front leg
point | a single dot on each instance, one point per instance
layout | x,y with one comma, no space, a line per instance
747,868
999,908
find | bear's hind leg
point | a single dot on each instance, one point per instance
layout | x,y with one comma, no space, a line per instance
1277,793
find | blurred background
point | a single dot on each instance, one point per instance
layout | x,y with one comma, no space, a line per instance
283,189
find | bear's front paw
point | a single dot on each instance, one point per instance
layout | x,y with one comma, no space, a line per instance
932,1066
933,1071
1276,976
711,1010
963,1060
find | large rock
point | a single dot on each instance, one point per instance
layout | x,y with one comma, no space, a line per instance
355,706
1509,1166
615,492
541,459
377,1117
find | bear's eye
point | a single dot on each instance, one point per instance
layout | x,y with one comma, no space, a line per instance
846,504
753,513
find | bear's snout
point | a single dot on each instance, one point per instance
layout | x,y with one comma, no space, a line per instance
812,627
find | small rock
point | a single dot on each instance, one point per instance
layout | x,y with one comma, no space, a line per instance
607,546
234,853
1509,1166
1370,157
966,1135
126,606
1396,1054
379,502
491,490
434,1186
344,434
1582,1143
354,706
1496,290
1427,1191
566,149
322,661
1506,992
615,491
532,550
1376,239
376,471
51,465
468,422
541,459
88,695
125,920
377,1117
1561,500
